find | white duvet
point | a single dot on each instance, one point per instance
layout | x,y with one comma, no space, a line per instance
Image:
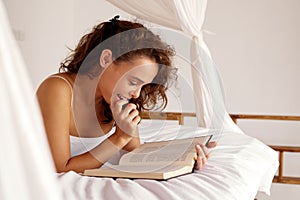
238,168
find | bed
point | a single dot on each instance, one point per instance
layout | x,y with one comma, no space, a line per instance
239,167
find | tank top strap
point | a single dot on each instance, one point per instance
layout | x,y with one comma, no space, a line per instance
63,78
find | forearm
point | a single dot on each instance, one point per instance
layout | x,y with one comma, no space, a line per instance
96,157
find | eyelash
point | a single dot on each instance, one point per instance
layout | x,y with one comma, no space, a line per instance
133,83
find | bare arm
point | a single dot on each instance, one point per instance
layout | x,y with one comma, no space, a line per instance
54,97
132,144
99,155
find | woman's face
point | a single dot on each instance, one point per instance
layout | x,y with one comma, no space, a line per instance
124,80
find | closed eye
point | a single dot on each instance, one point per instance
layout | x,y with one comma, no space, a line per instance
133,83
135,80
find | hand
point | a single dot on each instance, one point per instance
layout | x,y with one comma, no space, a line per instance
202,154
126,118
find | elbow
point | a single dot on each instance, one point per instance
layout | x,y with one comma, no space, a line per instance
64,167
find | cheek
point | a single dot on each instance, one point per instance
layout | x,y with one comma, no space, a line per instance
107,85
121,86
106,92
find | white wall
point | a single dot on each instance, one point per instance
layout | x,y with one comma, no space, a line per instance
44,29
256,49
91,12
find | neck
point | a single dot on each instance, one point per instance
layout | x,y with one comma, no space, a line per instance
87,89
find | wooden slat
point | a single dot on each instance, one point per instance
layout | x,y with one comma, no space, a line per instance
265,117
287,180
285,148
167,116
280,170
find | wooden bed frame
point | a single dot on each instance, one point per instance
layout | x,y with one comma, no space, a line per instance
280,178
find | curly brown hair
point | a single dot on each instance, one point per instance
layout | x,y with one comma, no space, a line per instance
130,39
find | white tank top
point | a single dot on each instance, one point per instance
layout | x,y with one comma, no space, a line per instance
80,145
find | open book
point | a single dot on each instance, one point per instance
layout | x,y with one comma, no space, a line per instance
154,160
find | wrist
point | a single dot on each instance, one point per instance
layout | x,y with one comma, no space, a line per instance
122,135
120,138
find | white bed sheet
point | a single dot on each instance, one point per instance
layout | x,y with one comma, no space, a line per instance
238,168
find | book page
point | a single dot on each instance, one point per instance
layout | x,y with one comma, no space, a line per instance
165,153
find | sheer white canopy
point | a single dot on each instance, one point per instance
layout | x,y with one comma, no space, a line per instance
188,17
26,169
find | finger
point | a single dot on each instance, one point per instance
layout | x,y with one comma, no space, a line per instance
202,154
205,150
129,108
201,158
137,119
200,150
117,105
133,114
212,144
198,163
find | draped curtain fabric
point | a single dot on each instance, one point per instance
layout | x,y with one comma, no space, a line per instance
188,16
157,11
26,169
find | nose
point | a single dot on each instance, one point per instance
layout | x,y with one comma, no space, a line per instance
136,93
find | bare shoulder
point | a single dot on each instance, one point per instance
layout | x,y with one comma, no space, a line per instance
54,89
54,85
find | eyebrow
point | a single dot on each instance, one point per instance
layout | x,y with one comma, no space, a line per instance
136,78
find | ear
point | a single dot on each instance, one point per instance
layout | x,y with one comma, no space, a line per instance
106,58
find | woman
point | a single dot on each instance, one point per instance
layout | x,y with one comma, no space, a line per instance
117,70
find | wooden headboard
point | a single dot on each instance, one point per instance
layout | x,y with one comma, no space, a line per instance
235,117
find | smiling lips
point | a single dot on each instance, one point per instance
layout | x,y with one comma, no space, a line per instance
122,97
